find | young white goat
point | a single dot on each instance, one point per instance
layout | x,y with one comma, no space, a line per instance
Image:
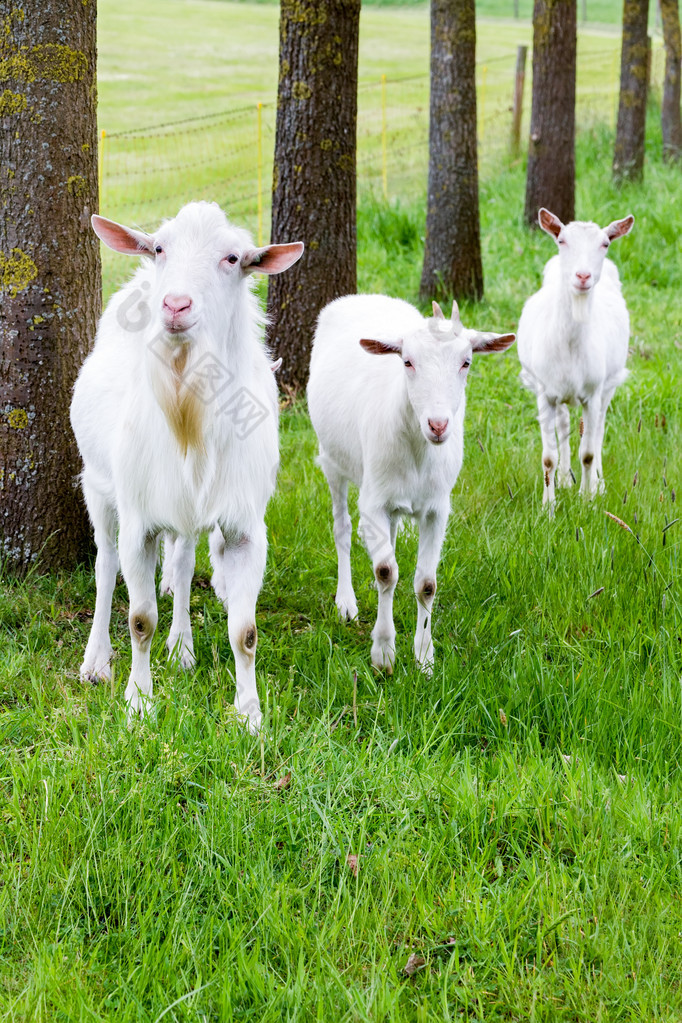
175,414
394,427
573,344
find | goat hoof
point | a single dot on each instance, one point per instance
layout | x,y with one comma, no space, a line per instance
180,653
251,720
383,657
89,673
347,608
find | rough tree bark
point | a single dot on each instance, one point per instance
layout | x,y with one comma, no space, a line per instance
452,253
314,180
628,153
49,271
671,125
550,178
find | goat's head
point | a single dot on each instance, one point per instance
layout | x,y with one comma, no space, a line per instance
582,248
200,261
436,360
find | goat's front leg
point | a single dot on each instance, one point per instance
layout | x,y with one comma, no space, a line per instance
180,643
590,447
564,476
137,551
547,420
243,565
377,528
432,527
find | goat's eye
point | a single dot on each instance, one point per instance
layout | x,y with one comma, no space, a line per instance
232,258
561,241
604,245
407,364
466,363
158,250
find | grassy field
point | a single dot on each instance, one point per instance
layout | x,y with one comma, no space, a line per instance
513,822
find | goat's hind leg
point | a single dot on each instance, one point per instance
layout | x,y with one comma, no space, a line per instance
343,532
243,565
180,644
96,664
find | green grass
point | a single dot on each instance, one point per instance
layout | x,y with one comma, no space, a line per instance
515,817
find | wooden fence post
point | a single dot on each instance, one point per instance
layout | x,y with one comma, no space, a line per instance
517,106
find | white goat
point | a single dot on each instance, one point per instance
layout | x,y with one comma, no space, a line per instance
573,344
175,414
394,427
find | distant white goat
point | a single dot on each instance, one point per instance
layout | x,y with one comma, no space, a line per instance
394,427
573,344
175,414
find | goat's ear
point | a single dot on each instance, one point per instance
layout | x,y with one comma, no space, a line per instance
381,347
122,239
617,228
484,341
275,366
549,222
272,259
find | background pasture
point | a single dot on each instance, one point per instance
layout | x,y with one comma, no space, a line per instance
514,821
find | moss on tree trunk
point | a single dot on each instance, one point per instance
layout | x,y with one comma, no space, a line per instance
49,272
452,254
314,179
550,178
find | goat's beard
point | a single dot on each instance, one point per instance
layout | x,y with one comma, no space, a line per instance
171,378
580,306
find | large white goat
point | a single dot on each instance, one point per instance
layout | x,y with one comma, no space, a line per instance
175,414
394,427
573,344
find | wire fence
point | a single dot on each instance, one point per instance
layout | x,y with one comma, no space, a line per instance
148,173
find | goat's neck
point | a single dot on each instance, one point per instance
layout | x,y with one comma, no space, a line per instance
573,314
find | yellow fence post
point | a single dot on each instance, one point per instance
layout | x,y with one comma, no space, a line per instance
384,139
260,173
100,166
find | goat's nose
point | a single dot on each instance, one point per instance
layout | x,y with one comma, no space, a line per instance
583,276
438,426
176,304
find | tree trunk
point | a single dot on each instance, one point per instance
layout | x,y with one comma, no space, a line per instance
49,272
628,154
314,179
670,109
452,253
550,178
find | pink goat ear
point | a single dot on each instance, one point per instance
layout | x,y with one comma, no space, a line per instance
122,239
549,222
487,342
272,259
617,228
381,347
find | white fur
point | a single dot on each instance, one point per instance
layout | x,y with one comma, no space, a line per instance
396,431
573,343
141,476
